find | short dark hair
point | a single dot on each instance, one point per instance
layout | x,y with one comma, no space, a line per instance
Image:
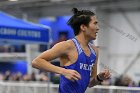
79,17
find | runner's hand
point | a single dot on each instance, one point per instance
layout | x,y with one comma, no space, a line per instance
104,75
71,74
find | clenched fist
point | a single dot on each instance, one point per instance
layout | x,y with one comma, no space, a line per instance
104,75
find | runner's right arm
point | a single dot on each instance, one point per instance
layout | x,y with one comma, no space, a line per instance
42,62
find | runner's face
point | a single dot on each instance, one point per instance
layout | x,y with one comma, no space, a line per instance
92,28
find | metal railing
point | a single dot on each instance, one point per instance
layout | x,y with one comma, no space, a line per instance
38,87
113,89
28,87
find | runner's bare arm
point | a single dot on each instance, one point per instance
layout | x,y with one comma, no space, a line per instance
103,75
93,80
43,61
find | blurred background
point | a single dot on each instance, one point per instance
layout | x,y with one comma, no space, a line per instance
29,27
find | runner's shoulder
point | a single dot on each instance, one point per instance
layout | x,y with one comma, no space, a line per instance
65,44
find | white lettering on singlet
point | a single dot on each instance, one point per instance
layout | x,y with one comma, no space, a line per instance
86,66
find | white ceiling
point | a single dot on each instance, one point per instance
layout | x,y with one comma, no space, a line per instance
42,8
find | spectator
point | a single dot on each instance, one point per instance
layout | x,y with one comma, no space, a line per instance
132,84
7,75
18,76
62,37
126,80
55,78
33,76
43,77
1,77
26,77
123,80
118,81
